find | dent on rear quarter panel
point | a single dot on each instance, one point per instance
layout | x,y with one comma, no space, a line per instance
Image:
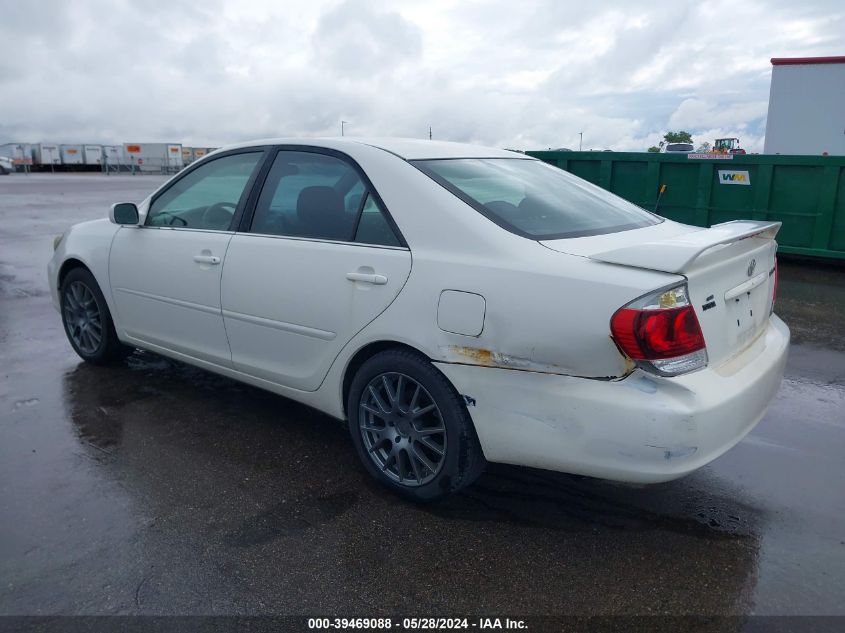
537,322
490,358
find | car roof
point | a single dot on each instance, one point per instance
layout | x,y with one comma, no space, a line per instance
406,148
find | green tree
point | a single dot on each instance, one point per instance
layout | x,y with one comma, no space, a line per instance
654,148
678,137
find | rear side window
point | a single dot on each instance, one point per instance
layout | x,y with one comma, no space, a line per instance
373,227
308,195
535,200
319,196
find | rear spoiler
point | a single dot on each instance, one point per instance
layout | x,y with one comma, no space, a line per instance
675,254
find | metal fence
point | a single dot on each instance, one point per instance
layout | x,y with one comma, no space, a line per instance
806,193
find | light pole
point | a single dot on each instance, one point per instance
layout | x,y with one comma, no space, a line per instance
580,140
342,123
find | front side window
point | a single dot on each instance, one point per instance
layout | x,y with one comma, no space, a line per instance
207,197
317,196
535,200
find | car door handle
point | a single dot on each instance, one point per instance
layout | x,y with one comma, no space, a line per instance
367,278
206,259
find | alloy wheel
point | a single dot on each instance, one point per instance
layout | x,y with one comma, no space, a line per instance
403,430
82,317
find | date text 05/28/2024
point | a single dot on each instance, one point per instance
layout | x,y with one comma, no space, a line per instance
416,623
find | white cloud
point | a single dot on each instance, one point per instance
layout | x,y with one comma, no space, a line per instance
527,75
355,41
698,113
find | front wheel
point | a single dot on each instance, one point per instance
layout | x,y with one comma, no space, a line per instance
411,428
87,320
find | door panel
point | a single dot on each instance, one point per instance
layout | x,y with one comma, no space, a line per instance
165,276
289,307
163,296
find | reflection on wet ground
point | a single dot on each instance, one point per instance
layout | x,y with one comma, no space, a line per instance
157,488
251,485
813,298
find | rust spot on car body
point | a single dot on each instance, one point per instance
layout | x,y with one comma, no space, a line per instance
479,355
488,358
630,365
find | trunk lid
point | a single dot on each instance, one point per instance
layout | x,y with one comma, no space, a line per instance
729,270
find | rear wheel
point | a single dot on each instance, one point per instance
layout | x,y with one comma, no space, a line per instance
411,428
87,320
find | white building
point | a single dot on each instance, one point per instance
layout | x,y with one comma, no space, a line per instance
806,106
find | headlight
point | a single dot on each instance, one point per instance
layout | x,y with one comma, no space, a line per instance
58,240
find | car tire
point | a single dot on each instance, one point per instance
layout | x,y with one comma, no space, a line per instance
411,428
87,320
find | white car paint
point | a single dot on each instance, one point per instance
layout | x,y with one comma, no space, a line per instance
642,429
290,328
520,327
163,297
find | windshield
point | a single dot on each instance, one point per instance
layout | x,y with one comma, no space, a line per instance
535,200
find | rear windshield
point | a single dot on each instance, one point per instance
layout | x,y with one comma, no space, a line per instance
679,147
535,200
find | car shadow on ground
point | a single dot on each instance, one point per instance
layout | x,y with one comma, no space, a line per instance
257,477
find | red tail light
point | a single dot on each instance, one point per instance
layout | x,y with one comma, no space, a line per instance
661,332
657,334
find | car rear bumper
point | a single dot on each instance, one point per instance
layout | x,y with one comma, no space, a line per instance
642,429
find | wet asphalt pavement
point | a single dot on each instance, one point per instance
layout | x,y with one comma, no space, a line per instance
156,488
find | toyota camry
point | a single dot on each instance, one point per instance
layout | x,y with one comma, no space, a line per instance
455,304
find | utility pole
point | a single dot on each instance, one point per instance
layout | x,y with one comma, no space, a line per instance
342,123
580,140
429,132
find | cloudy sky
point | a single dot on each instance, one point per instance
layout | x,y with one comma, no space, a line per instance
525,74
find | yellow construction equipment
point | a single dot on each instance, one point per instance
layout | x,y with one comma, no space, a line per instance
727,146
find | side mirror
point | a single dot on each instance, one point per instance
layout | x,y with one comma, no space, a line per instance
125,213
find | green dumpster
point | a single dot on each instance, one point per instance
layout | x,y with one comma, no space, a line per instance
806,193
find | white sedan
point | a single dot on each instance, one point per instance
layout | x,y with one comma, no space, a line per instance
456,304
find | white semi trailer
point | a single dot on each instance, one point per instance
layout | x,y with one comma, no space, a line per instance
20,154
46,154
113,157
157,157
92,154
71,154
